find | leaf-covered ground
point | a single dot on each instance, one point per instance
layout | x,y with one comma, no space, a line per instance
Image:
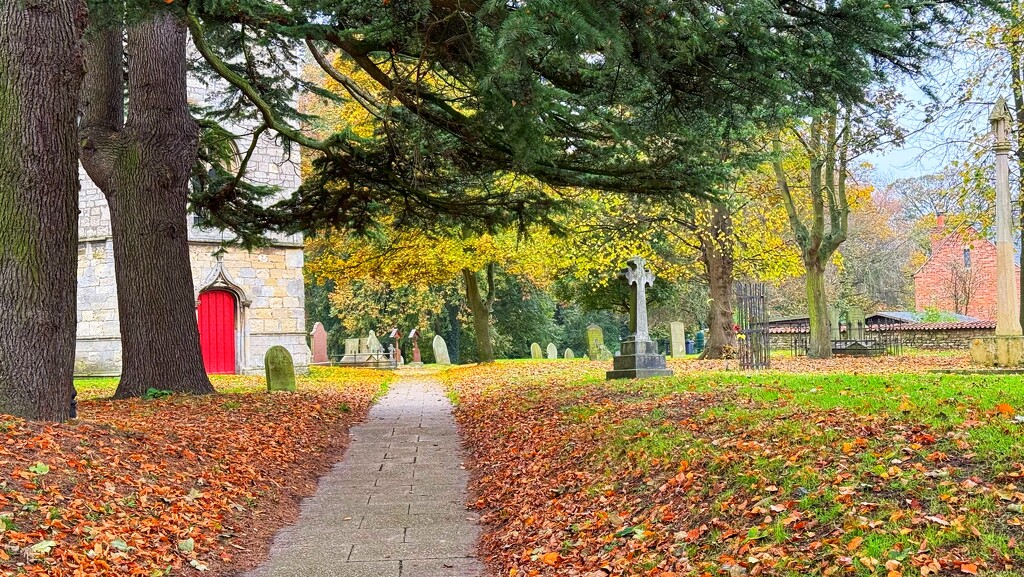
849,467
175,485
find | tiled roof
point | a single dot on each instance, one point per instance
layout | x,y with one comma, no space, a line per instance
786,330
955,326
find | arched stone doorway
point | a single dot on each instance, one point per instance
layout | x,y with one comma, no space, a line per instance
217,325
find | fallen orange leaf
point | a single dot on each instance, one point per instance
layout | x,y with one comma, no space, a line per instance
549,558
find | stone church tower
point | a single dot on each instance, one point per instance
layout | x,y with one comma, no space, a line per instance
246,302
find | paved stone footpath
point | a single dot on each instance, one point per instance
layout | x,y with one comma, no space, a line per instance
394,506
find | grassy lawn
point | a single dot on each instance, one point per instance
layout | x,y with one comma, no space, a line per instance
878,469
318,379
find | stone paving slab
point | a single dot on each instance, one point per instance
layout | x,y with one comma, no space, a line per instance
394,506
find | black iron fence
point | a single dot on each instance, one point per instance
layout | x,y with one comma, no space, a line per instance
873,343
752,316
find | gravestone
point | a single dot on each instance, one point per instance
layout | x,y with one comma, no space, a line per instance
319,347
638,357
595,340
441,351
833,323
414,336
677,340
569,354
280,369
855,321
364,346
351,350
395,348
552,351
535,352
373,344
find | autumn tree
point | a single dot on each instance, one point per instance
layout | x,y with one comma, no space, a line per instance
826,144
142,158
877,260
40,71
986,63
414,264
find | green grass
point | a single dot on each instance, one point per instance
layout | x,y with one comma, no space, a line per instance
318,378
944,402
96,387
795,411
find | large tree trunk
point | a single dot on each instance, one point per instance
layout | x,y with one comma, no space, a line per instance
481,310
40,72
717,257
454,340
143,168
820,346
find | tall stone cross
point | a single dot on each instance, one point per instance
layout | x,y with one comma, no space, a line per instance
1007,312
639,278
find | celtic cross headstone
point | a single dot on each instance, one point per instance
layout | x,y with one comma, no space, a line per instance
639,357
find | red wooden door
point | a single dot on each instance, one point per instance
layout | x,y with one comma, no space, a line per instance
217,331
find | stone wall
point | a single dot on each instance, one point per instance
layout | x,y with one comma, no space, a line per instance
98,348
944,339
953,339
269,285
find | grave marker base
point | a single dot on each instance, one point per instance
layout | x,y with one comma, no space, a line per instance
639,360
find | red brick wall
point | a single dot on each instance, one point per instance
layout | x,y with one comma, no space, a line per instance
934,284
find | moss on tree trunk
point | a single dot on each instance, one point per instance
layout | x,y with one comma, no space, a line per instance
40,72
142,162
481,309
820,345
717,258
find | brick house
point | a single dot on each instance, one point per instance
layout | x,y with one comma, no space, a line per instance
960,273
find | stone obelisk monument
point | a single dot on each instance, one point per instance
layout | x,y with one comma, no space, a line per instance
1007,347
639,356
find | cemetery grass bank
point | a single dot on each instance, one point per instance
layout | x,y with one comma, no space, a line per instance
881,469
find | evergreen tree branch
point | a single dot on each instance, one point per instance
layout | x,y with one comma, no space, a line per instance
236,80
364,98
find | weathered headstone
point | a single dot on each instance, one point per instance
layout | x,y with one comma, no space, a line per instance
595,340
318,337
552,351
280,369
535,352
414,336
569,354
395,348
638,357
833,323
855,323
351,350
677,339
364,346
441,351
373,345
